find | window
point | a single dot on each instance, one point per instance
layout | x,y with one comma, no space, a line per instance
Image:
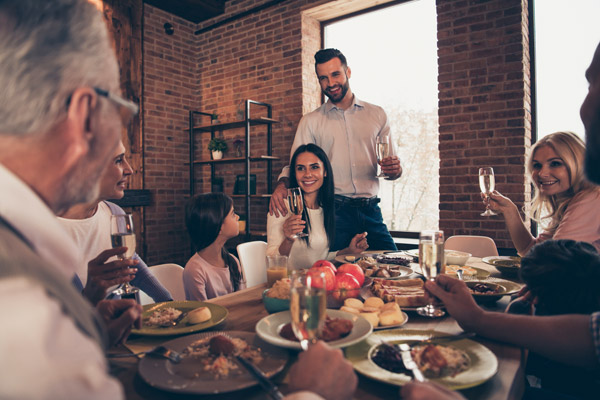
393,56
566,36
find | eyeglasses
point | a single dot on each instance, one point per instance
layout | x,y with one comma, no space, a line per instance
127,109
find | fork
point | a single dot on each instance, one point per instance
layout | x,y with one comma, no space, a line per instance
160,351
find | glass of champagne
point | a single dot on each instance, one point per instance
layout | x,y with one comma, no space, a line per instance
487,183
432,263
308,305
296,202
122,234
383,151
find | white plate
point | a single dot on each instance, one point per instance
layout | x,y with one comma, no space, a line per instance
189,377
483,363
382,327
268,329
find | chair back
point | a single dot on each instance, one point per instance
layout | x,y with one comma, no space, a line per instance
171,277
253,258
478,246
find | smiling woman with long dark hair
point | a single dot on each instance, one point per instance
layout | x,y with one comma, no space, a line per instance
312,173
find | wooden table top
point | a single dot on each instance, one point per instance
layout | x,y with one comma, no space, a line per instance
246,309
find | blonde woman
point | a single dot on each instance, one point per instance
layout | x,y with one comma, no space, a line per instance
566,205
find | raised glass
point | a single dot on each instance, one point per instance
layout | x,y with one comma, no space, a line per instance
432,263
383,151
308,305
487,183
122,234
296,202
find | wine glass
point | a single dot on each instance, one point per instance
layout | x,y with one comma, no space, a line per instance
308,305
122,234
383,151
432,262
487,183
296,202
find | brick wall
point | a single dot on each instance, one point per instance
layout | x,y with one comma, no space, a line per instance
484,109
169,81
484,104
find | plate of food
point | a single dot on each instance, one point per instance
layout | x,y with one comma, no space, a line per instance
354,258
492,289
276,329
458,364
203,370
468,272
190,317
409,294
381,315
507,265
373,265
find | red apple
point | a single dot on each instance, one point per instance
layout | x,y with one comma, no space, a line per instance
329,277
346,286
325,263
353,270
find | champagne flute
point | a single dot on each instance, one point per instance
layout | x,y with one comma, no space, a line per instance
487,183
308,305
432,263
383,151
122,234
296,202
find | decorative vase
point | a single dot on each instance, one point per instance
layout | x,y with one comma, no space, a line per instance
217,155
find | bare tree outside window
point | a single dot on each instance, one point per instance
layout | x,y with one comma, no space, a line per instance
393,57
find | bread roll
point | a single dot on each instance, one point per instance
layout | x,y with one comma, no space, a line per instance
371,317
350,309
390,306
373,302
200,314
391,318
354,303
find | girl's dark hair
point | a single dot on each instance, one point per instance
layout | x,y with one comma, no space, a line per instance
325,195
204,216
564,275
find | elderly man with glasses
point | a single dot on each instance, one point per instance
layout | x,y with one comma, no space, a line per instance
60,122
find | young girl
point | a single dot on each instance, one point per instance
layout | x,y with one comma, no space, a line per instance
212,271
311,171
565,203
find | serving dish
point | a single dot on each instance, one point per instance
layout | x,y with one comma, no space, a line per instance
507,265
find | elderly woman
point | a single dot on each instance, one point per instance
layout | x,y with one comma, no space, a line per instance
89,225
565,203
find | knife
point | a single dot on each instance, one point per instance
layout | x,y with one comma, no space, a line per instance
409,363
265,382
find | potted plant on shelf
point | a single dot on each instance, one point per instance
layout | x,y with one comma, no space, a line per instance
214,118
217,146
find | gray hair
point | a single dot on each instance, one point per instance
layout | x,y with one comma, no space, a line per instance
48,49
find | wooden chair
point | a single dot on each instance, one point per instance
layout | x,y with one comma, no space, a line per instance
171,277
478,246
253,259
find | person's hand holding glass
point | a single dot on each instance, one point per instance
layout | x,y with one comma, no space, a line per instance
487,183
432,263
122,234
308,305
296,202
383,151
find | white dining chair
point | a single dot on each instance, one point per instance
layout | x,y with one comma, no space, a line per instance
253,259
478,246
171,277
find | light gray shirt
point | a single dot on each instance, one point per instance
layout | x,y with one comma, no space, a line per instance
348,137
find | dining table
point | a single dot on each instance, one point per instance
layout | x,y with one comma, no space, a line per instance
245,309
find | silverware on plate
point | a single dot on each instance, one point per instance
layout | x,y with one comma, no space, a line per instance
160,351
409,363
262,379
